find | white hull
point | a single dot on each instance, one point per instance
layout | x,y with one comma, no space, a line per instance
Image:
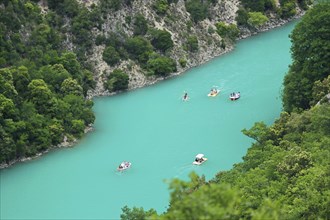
125,167
199,163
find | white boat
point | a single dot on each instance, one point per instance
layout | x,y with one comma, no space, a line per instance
235,96
214,92
199,159
124,166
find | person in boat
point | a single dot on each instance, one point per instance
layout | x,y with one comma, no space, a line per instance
185,96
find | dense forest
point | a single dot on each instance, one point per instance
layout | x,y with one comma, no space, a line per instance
286,172
46,70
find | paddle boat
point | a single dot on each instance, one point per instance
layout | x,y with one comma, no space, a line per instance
234,96
199,159
185,97
213,92
124,166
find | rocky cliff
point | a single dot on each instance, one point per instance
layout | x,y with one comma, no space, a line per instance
177,21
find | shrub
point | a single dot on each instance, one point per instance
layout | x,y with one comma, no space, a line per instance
161,6
197,9
110,55
161,40
161,65
117,80
183,62
228,31
192,44
256,19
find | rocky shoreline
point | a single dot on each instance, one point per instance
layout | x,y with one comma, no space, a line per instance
99,91
245,33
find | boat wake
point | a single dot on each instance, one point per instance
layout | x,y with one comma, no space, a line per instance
183,169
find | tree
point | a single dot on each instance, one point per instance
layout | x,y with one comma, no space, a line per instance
117,80
71,64
310,54
192,44
71,86
40,95
197,9
161,65
242,16
256,19
77,127
161,6
136,213
229,31
7,87
54,76
110,55
21,78
7,108
140,25
161,40
139,48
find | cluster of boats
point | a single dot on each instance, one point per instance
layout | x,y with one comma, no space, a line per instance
213,93
199,159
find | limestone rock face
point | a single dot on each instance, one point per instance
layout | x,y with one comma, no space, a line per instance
178,22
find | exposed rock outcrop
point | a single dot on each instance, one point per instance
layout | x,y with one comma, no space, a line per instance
177,21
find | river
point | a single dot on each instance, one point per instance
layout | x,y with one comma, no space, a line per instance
159,134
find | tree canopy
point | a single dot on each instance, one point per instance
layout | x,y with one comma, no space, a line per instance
311,58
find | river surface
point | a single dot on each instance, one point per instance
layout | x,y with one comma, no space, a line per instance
159,134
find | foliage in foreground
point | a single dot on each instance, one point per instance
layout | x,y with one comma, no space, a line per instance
311,55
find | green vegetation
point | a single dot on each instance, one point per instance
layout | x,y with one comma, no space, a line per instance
117,80
36,113
161,65
310,51
256,19
161,40
183,62
139,49
230,31
161,6
286,172
42,85
191,44
198,9
111,56
140,25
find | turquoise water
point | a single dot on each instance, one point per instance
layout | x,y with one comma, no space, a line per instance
159,133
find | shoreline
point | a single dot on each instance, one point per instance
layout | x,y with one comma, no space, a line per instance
270,25
65,144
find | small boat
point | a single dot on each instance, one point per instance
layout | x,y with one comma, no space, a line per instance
124,166
234,96
185,97
214,92
199,159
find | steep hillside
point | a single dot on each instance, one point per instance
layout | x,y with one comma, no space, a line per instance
179,23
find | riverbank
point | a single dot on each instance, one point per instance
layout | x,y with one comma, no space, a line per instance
65,144
201,59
